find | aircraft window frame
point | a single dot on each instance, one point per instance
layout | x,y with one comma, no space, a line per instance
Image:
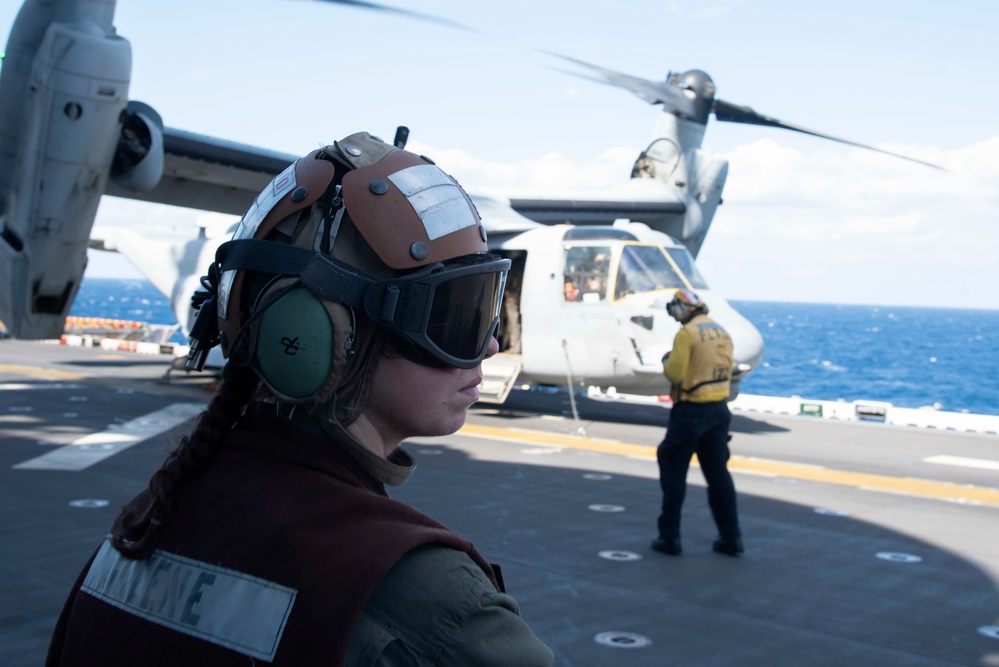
687,268
659,160
586,271
630,262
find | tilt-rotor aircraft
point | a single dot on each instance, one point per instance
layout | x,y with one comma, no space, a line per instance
589,282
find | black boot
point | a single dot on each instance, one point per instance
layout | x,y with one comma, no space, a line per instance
667,545
730,546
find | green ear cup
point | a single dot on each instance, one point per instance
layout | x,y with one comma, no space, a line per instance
294,347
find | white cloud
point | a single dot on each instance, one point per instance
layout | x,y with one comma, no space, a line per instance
545,174
201,75
702,10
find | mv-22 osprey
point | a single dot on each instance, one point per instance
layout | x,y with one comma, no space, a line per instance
589,281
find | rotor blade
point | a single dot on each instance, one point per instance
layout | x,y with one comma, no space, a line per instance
653,92
734,113
378,7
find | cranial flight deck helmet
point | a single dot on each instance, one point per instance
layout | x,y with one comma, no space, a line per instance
352,242
684,304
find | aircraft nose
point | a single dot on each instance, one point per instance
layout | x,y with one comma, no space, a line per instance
747,342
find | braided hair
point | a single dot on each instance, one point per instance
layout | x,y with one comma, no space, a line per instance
136,530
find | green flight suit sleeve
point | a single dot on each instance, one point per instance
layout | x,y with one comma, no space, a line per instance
437,607
675,367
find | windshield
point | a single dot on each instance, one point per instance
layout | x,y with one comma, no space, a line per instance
683,260
644,269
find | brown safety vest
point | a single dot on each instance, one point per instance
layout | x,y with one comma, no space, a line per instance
272,551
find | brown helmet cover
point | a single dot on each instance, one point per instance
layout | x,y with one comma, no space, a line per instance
383,198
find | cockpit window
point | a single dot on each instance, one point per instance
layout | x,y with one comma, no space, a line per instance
657,161
683,260
644,269
586,272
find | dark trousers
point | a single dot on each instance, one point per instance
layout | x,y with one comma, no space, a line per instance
701,428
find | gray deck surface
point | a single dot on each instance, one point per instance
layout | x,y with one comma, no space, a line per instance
840,568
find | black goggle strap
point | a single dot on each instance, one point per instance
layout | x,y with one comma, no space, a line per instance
334,281
325,277
401,304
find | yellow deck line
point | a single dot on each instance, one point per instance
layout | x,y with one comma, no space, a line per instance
917,487
40,372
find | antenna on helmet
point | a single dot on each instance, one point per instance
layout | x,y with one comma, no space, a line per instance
401,136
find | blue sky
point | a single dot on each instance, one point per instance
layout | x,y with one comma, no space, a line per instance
803,219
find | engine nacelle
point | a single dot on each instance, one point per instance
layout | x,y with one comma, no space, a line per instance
138,160
74,97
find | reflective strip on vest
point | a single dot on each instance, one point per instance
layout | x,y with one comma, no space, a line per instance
225,607
710,368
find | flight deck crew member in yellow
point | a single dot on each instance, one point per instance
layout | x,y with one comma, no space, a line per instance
699,368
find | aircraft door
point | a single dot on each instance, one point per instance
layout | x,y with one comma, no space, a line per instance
510,332
583,336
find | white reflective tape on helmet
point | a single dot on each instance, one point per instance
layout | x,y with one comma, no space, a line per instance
282,184
437,200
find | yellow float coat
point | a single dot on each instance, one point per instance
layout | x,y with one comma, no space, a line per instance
700,364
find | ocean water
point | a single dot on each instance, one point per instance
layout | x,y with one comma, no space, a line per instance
124,299
909,357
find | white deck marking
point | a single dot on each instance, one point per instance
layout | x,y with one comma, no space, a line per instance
984,464
96,447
